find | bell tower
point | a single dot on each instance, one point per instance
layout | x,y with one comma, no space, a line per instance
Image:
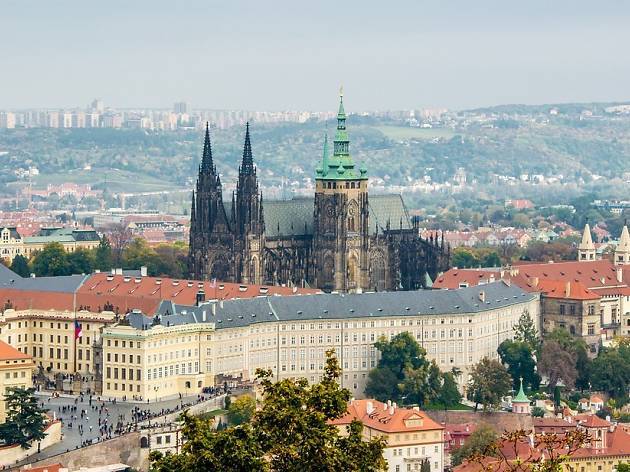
341,215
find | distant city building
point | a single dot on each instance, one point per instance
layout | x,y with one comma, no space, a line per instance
180,108
7,120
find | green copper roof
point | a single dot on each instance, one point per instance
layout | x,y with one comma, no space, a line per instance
340,166
521,397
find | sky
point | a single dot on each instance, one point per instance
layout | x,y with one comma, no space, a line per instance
294,55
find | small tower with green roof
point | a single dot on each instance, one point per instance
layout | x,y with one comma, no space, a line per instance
520,403
341,215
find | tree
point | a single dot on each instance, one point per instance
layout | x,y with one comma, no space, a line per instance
557,364
241,410
520,363
464,258
382,384
291,432
448,395
578,350
103,255
119,236
526,452
489,383
525,331
81,261
538,412
19,265
25,420
402,352
477,442
402,370
610,372
51,261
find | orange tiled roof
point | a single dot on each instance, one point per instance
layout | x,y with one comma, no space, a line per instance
376,415
452,278
593,421
9,353
145,293
565,289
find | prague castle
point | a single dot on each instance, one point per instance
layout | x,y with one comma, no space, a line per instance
342,240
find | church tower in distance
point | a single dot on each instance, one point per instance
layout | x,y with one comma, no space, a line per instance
341,215
247,219
211,239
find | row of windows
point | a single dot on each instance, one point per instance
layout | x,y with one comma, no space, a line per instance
86,326
169,371
123,387
125,373
51,339
123,358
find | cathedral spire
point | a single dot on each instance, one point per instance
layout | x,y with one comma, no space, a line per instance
207,166
247,165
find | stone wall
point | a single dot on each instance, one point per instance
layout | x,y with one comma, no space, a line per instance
122,449
499,420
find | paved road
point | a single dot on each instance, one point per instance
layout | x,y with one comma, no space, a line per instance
77,429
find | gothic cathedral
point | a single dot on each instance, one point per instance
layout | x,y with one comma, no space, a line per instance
342,240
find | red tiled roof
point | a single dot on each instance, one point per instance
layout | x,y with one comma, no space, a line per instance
145,293
565,289
381,417
9,353
45,468
593,421
452,278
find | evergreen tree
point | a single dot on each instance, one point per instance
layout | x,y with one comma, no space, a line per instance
525,331
25,421
19,265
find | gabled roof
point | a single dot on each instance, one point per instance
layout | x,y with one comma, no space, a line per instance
592,421
566,290
382,417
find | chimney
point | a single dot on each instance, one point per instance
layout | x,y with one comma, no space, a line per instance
119,271
482,296
389,403
214,309
394,405
220,303
143,271
384,406
567,290
203,316
491,278
391,410
369,408
619,274
416,408
535,281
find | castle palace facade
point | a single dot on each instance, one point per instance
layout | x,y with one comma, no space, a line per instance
343,239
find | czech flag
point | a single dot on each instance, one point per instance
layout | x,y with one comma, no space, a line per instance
78,331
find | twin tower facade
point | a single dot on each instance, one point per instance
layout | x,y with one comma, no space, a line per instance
340,240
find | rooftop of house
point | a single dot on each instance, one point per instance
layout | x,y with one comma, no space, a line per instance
387,417
9,353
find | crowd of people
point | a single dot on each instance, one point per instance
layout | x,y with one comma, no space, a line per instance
110,421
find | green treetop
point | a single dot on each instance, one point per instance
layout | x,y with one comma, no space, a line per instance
340,166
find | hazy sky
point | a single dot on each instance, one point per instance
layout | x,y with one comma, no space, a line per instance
276,55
